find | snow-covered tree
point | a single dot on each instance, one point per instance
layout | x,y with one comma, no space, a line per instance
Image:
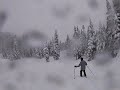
100,38
56,51
68,46
91,41
68,42
51,47
80,42
76,41
90,32
62,46
76,34
16,46
116,34
10,46
110,29
46,53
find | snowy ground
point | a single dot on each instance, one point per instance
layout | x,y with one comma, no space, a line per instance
36,74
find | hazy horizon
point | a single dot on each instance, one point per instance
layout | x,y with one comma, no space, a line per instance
48,15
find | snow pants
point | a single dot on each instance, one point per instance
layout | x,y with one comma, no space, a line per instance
81,73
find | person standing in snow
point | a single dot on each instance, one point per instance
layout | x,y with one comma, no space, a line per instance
83,65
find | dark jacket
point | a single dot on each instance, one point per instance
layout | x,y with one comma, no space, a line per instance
82,65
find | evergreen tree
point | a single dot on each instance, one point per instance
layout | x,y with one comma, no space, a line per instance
90,32
83,40
50,47
46,53
79,43
56,52
68,46
76,41
100,38
116,5
110,29
16,48
91,41
62,46
68,42
10,46
76,34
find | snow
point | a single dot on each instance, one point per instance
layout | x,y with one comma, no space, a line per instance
36,74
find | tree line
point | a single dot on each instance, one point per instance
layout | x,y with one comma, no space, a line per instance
86,41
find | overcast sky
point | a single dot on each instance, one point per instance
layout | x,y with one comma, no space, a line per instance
48,15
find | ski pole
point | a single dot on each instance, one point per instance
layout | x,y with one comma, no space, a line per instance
74,72
90,71
92,80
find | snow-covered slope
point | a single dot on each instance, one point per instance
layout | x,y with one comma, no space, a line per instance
36,74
